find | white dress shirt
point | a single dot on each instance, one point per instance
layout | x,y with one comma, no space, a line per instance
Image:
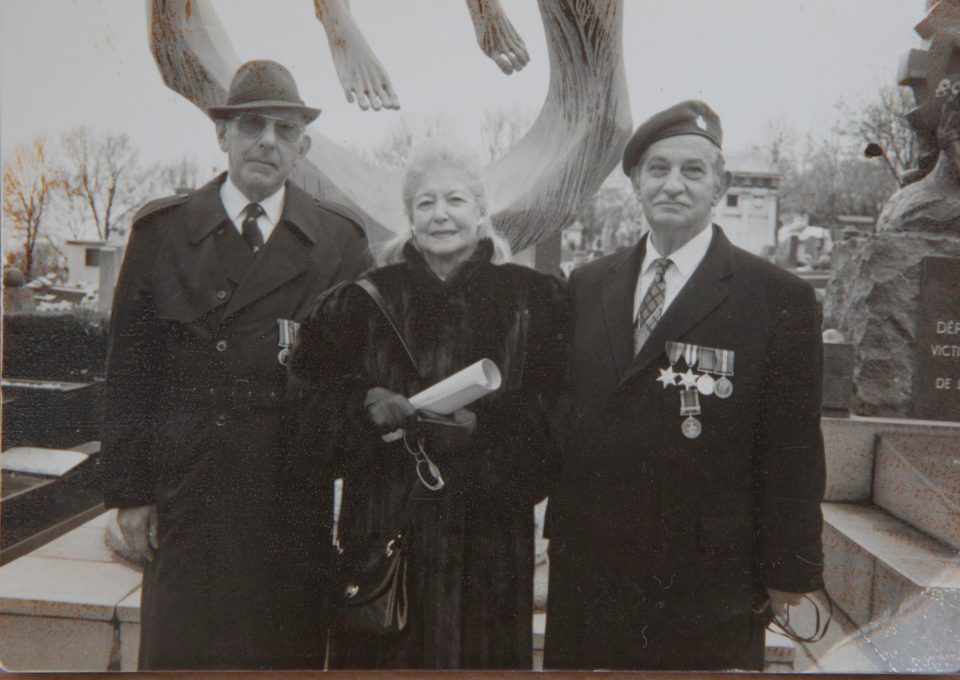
683,262
234,202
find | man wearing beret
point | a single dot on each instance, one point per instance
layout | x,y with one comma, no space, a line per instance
198,407
688,511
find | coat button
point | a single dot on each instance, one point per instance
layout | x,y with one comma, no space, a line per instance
221,345
221,420
221,294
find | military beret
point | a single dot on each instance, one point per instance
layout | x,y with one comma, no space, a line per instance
692,117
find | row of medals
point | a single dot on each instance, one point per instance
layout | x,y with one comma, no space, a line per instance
708,360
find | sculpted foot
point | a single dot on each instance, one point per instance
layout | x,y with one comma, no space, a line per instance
496,36
361,74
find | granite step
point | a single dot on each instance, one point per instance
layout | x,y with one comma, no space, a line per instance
917,479
898,585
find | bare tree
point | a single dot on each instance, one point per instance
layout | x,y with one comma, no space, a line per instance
30,179
881,120
777,144
501,129
103,179
169,178
833,178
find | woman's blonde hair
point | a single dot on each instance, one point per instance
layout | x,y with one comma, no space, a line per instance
432,156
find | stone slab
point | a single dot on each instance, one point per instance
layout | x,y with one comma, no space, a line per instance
102,520
842,650
848,573
850,444
913,555
915,629
83,543
34,460
40,643
128,610
41,586
917,478
780,650
129,646
539,629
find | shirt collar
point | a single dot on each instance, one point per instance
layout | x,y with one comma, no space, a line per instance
686,257
234,202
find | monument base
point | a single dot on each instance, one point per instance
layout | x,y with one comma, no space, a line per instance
872,299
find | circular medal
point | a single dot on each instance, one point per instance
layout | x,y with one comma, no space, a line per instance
284,356
691,428
705,384
723,387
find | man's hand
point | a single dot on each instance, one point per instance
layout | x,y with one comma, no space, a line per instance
780,600
139,527
388,410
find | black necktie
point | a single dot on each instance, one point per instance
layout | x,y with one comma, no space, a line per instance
251,232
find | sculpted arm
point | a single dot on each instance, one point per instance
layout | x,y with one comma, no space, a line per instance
361,74
496,35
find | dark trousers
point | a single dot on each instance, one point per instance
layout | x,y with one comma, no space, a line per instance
611,607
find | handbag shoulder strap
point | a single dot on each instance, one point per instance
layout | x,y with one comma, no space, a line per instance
374,293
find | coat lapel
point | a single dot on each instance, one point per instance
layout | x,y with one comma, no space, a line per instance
618,290
285,255
190,292
703,291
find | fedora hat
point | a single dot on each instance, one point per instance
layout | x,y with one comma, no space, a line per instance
263,84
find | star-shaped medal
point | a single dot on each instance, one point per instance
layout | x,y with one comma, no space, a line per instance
688,379
667,377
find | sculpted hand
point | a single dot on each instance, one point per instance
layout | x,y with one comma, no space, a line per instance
139,527
780,600
388,410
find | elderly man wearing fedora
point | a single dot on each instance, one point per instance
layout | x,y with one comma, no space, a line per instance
689,506
199,408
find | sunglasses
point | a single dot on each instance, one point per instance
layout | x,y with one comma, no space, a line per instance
253,124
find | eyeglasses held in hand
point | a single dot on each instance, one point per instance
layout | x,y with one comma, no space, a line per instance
427,470
253,124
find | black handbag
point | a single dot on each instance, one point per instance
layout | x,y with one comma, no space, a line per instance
370,587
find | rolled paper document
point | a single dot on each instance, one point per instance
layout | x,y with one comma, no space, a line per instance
452,393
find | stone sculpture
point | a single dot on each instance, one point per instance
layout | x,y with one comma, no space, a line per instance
363,77
539,185
874,293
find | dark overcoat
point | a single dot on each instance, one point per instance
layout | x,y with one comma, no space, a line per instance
470,545
660,545
196,420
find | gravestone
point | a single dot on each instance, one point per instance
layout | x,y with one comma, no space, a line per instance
937,382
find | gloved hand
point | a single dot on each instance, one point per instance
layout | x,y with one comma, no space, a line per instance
388,410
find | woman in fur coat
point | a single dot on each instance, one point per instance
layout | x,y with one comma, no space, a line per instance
470,545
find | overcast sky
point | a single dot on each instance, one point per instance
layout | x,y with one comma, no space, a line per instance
70,62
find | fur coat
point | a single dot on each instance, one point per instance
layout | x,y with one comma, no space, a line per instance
470,549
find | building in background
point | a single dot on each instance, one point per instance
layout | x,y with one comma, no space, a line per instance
93,266
749,210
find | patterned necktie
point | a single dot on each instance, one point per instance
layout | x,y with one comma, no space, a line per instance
651,307
251,232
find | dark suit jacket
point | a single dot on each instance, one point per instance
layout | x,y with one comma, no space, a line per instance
718,516
197,414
